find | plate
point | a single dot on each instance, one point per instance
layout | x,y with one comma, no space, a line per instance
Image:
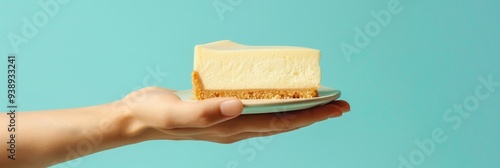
256,106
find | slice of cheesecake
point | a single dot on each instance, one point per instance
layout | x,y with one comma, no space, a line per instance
228,69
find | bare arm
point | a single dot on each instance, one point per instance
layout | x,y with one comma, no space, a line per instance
45,138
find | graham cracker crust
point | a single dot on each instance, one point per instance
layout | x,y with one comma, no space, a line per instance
200,93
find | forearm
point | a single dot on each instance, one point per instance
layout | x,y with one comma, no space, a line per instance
47,137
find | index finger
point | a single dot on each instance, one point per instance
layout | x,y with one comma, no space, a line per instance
285,120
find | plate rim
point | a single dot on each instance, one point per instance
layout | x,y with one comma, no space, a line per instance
336,93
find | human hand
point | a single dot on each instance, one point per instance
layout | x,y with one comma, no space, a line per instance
159,114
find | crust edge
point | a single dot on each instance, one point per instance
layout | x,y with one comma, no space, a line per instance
200,93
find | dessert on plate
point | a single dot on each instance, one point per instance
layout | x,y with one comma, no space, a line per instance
228,69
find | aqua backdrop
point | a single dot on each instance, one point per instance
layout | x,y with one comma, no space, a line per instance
422,76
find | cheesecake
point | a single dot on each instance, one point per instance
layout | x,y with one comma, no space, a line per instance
228,69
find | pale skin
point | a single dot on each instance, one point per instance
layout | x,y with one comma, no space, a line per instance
44,138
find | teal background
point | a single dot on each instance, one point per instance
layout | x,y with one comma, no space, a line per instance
428,58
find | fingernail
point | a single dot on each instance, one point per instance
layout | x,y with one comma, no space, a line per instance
346,107
231,107
335,114
337,111
346,110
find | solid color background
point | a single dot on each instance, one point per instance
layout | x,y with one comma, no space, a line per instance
405,82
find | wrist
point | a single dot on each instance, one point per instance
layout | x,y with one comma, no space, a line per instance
126,124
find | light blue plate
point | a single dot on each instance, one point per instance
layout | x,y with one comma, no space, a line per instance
326,95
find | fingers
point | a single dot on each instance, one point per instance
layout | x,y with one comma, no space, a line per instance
246,135
285,121
278,122
336,111
204,113
272,122
345,106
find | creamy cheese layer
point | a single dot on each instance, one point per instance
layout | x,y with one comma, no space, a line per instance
224,65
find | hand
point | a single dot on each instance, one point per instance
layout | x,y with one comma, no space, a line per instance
53,136
162,115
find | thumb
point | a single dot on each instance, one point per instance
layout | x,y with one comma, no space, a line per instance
205,113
